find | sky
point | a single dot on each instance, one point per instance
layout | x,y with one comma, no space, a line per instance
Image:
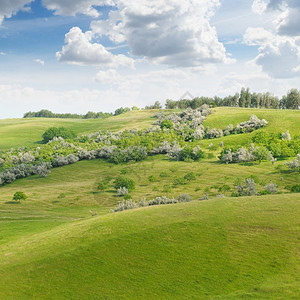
97,55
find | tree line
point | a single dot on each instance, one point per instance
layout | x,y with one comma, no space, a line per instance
243,99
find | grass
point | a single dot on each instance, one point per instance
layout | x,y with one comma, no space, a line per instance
238,248
28,132
224,248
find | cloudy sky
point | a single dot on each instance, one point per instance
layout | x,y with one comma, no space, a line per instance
80,55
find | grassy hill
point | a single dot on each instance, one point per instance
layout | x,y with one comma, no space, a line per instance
243,248
223,248
28,132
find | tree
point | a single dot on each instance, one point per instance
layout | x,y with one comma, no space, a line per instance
124,182
53,132
18,196
293,99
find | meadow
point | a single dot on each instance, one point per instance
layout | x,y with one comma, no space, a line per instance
222,248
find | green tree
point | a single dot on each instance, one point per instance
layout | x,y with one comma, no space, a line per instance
53,132
18,196
122,181
293,99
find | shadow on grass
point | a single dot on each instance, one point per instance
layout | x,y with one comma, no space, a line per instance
12,202
39,143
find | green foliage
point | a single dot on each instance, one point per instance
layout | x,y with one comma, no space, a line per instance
190,176
103,185
121,110
53,132
18,196
44,113
152,178
122,181
261,153
188,153
295,188
166,124
164,174
179,181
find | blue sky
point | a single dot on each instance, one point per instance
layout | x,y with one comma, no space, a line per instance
80,55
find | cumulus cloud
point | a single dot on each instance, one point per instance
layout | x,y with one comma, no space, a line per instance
279,47
280,58
73,7
176,33
288,22
11,7
80,50
256,36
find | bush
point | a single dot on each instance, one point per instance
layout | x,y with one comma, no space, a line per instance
122,191
18,196
189,153
126,182
166,124
184,198
271,188
190,176
103,185
179,181
246,188
152,178
53,132
295,188
164,174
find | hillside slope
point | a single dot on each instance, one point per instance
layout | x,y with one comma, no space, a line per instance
238,248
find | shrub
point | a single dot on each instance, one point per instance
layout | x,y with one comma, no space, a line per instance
295,188
53,132
184,198
122,181
18,196
246,188
261,153
190,176
166,124
189,153
295,164
164,174
122,191
152,178
179,181
271,188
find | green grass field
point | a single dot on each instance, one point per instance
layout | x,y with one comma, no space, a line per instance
223,248
232,248
28,132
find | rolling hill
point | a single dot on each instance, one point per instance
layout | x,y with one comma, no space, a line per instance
223,248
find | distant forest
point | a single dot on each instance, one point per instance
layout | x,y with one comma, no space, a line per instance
243,99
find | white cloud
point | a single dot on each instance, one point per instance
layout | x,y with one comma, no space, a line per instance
288,22
280,58
80,51
257,36
279,47
176,33
2,53
11,7
73,7
39,61
108,77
